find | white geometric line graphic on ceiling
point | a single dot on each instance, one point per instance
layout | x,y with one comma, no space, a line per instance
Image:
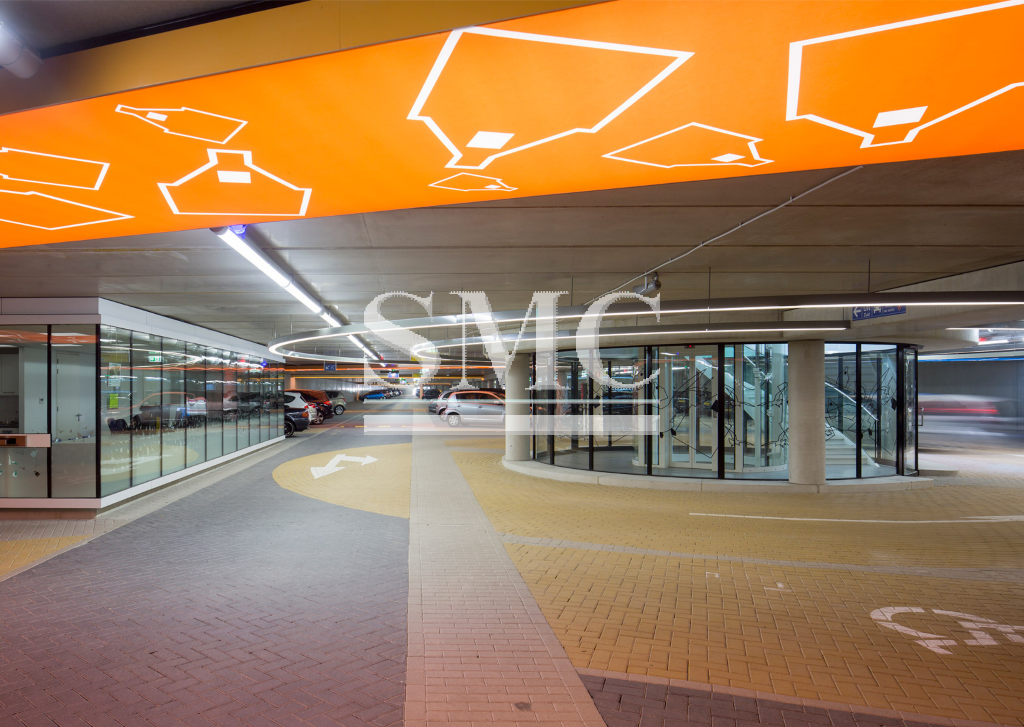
497,138
905,113
692,157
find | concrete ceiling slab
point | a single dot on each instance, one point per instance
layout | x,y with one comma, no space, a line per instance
909,222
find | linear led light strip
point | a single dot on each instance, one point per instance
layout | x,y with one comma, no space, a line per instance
276,348
668,333
271,271
681,311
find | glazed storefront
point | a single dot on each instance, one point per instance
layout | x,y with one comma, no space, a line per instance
723,411
96,411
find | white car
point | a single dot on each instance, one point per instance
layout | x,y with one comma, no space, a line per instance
295,401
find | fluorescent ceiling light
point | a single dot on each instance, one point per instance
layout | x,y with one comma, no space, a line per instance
367,351
300,295
242,248
331,320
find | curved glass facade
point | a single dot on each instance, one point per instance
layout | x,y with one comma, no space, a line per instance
722,411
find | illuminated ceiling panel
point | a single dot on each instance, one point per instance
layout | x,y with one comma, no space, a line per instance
620,94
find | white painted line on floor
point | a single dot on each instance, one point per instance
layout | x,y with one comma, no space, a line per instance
973,519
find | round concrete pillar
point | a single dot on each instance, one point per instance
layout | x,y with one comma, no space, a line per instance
517,409
807,412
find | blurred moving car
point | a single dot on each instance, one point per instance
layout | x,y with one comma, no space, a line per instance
484,407
963,421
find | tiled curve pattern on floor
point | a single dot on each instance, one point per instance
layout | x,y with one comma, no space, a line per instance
240,604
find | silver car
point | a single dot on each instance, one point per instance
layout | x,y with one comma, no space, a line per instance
437,404
476,407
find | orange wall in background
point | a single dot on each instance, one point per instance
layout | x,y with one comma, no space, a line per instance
611,95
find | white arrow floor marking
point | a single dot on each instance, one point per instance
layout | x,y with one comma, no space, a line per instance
349,458
333,467
972,519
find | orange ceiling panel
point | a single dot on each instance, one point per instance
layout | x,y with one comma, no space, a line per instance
620,94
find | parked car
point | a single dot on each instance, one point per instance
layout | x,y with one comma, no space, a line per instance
376,394
339,401
438,401
473,407
427,393
320,398
295,420
295,400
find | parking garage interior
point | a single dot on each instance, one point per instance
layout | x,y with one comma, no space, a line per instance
636,363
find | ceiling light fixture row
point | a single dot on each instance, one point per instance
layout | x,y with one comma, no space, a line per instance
265,266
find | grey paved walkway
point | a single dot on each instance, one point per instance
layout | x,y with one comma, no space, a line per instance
241,604
480,650
635,703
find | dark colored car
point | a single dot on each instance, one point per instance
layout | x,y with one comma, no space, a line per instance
295,420
430,393
473,407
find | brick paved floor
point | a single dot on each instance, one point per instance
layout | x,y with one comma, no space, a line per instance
241,604
851,602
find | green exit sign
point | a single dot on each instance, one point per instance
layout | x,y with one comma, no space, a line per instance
156,359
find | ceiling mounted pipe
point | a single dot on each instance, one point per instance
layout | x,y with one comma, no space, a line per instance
15,56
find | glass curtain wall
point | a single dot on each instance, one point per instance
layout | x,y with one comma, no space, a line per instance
93,410
229,402
147,391
24,394
910,420
842,414
721,411
73,411
166,405
115,410
764,409
244,410
174,414
195,404
879,409
214,397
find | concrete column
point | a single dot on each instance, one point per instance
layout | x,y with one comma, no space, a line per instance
517,378
807,412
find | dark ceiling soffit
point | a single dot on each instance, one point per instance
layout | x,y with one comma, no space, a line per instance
210,16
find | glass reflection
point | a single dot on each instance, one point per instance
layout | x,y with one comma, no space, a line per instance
73,411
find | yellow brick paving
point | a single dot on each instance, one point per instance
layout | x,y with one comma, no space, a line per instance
15,554
796,631
381,487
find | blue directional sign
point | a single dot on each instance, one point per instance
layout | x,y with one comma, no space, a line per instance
877,311
330,367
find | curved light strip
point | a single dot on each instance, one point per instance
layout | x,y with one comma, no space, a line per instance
731,305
